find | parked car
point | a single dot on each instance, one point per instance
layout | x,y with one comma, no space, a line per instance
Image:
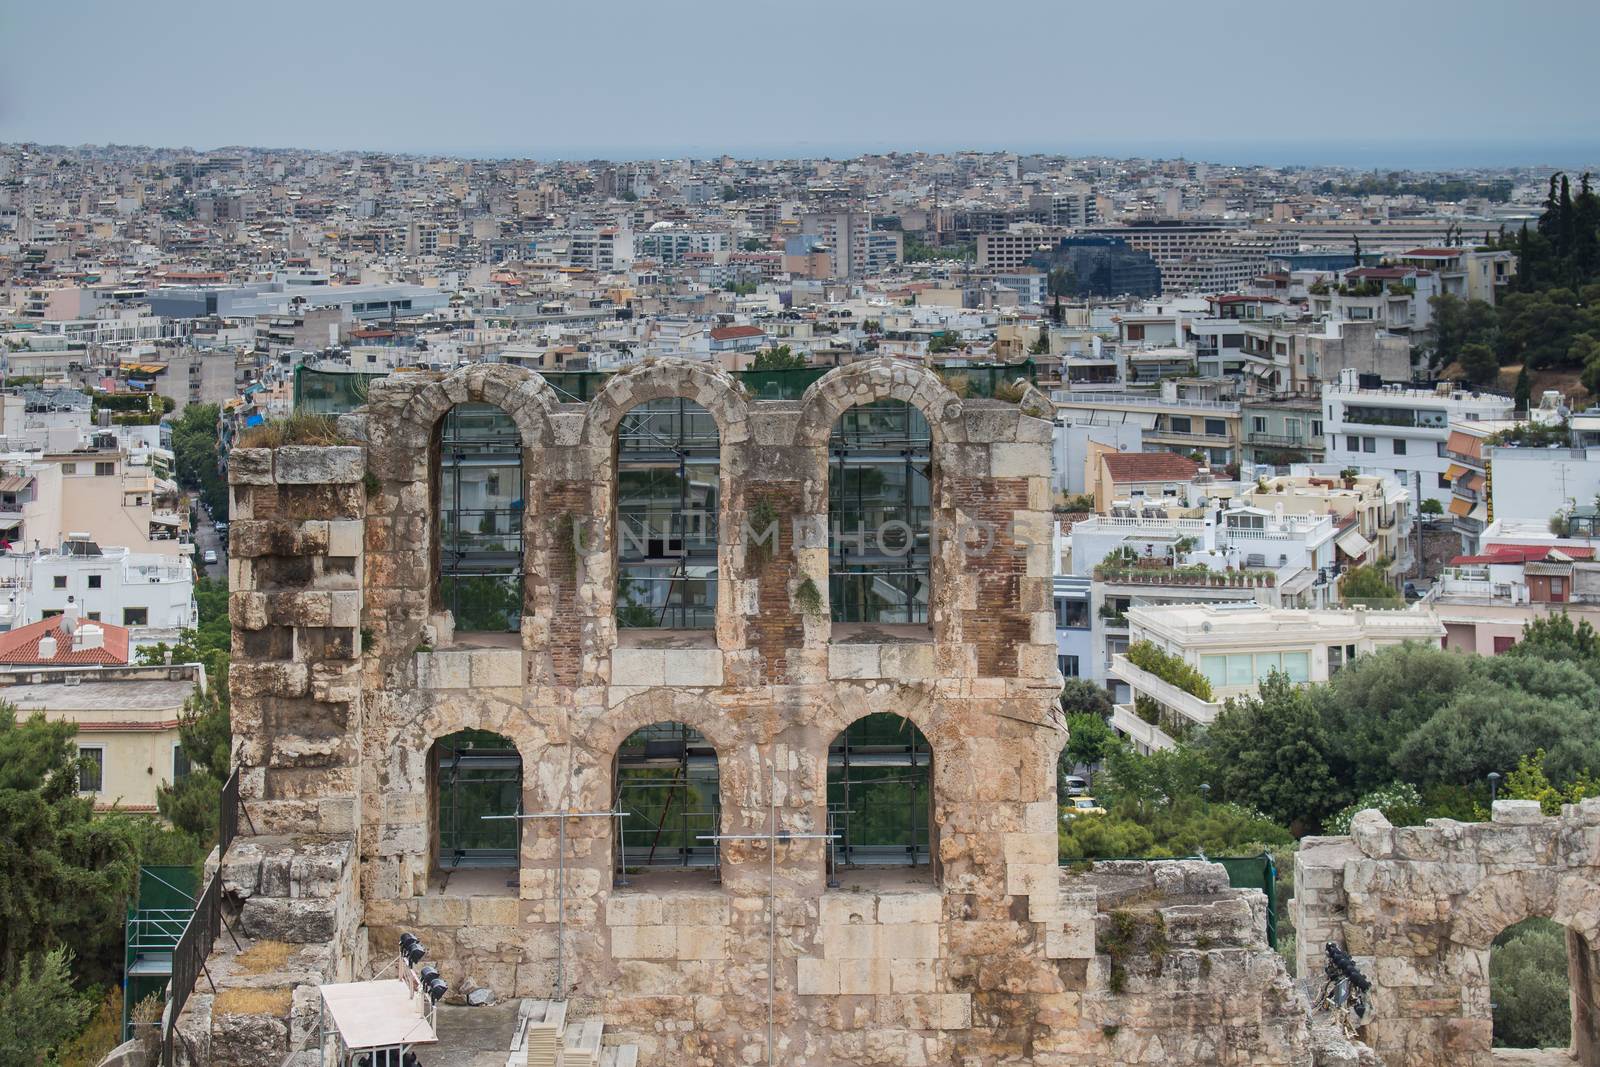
211,556
1082,806
220,527
1073,786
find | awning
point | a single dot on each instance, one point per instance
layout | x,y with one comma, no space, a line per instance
1475,482
1460,507
164,520
1465,444
1352,544
1456,470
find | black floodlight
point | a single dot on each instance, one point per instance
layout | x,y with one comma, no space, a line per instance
428,974
406,941
415,953
437,990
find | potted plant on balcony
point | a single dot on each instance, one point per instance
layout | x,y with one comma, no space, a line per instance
1349,477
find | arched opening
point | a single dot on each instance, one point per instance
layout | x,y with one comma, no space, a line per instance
666,781
880,492
474,774
480,507
669,457
1535,968
880,800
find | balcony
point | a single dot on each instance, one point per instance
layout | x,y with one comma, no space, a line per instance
1277,440
1204,440
1181,701
1146,738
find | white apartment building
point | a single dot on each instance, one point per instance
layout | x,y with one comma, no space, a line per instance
1401,432
151,595
669,244
1236,647
601,248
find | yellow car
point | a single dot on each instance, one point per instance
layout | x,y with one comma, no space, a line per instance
1081,806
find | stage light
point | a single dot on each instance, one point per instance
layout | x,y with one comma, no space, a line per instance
415,953
428,974
437,990
406,941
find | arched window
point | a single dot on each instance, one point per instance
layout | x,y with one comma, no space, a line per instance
880,795
668,465
879,514
1530,986
666,781
475,773
480,508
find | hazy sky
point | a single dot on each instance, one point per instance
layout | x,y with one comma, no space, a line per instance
1408,83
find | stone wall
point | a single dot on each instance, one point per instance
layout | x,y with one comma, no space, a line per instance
985,961
1419,907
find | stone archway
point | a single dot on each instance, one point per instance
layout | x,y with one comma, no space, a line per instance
1419,907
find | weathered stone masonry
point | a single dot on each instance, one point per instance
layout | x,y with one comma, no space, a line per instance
346,675
1420,906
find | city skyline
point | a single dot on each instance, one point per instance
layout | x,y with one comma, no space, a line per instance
758,84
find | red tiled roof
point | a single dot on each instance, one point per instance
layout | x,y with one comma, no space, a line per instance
1435,253
724,333
1507,554
21,646
1149,466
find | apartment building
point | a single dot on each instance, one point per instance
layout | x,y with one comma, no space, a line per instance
1177,418
670,244
1402,432
1485,599
1281,430
127,717
1236,647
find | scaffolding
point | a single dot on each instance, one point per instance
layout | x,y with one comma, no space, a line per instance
160,909
480,518
880,794
666,783
879,512
478,775
669,457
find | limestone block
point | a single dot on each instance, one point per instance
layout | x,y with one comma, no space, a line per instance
855,661
691,667
345,609
864,976
638,666
702,942
1074,941
346,537
1515,812
442,911
318,465
817,978
1018,461
908,941
849,942
1031,849
839,909
250,466
911,660
644,942
492,911
689,910
1373,834
914,976
248,611
495,667
300,921
444,670
627,909
1023,879
910,908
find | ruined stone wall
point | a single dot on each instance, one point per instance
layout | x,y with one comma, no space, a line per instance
989,964
1420,906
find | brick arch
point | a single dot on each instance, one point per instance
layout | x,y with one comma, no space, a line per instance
711,387
877,379
520,393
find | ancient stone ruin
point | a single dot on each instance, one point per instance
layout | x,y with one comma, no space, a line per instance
835,764
1420,906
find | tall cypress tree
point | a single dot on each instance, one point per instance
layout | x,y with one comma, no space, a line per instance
1566,230
1586,235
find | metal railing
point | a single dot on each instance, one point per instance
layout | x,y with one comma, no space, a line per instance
194,944
189,962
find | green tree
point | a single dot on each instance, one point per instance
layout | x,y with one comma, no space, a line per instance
1522,393
63,873
39,1010
1430,506
1079,695
194,450
1529,986
1089,739
1366,584
1557,638
1373,704
1273,753
1584,351
779,358
1479,363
